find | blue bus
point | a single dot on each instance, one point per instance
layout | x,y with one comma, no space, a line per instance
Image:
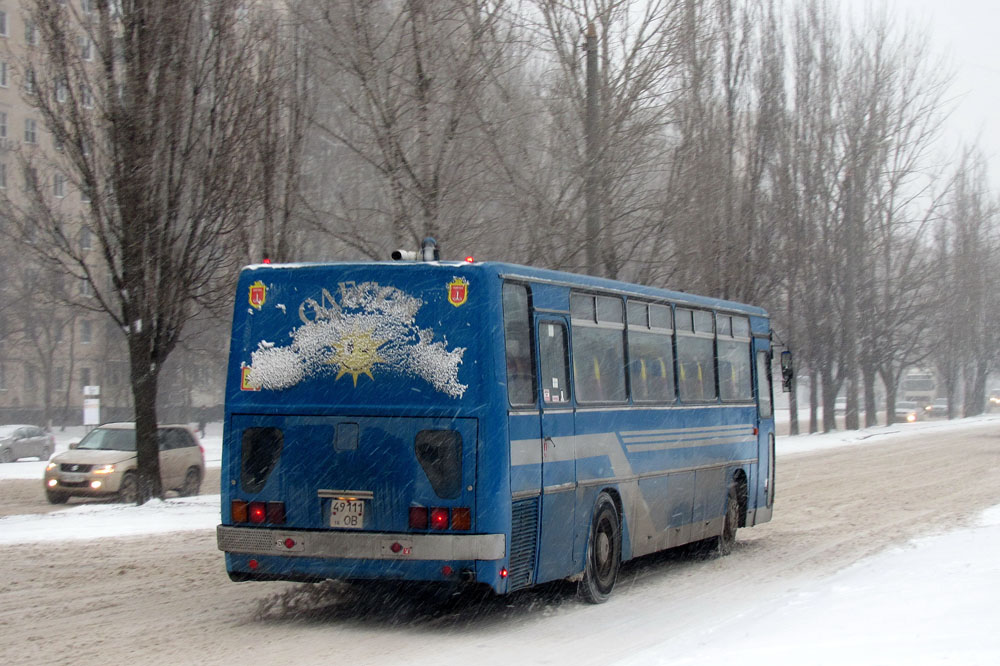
486,423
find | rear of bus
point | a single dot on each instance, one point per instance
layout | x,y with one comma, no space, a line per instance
355,442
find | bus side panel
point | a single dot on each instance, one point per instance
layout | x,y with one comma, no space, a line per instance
671,467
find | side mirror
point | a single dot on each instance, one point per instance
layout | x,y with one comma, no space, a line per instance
787,371
73,445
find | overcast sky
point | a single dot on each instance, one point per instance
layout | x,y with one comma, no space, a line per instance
967,34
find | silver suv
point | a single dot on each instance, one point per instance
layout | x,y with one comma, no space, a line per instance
24,441
103,464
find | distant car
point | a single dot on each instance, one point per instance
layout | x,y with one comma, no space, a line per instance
938,408
103,464
25,441
907,410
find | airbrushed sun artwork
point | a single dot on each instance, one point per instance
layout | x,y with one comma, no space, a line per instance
367,329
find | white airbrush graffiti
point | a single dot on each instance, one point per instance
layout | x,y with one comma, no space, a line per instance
368,330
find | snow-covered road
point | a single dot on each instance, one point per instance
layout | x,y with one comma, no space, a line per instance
883,550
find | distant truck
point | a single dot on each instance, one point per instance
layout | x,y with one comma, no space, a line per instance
919,386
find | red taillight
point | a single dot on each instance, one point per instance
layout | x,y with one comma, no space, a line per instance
439,518
238,509
461,518
418,518
289,543
503,573
258,512
276,512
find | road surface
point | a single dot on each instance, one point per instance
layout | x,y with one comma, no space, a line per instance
167,600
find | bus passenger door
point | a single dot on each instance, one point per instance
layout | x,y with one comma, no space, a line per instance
764,504
555,551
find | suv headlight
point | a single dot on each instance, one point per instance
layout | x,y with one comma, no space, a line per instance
51,466
104,469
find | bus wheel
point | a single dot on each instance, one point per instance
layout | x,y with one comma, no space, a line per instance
724,542
604,552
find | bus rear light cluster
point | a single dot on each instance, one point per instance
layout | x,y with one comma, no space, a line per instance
439,518
258,513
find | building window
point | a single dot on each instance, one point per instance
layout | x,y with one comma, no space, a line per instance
84,238
86,332
30,179
57,377
61,91
3,377
3,175
29,82
3,73
86,48
88,98
85,288
30,33
30,130
84,376
3,23
3,124
59,185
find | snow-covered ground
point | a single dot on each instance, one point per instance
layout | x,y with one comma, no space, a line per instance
931,601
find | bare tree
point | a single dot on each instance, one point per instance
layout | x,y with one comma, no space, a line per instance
637,67
969,314
157,132
398,131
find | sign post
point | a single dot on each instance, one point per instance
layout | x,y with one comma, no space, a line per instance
91,405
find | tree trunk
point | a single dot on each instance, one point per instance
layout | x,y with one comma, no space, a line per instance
144,386
871,407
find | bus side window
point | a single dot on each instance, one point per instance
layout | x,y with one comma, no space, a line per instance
598,348
651,358
553,362
696,355
518,347
734,359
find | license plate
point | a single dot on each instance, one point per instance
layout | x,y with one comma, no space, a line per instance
347,513
70,477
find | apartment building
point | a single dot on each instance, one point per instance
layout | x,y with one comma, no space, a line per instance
51,344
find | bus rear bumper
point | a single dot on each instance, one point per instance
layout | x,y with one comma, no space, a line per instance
360,545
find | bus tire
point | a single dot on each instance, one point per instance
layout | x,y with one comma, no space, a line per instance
728,537
722,544
604,552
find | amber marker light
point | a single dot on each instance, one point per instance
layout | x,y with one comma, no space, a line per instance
238,508
461,518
